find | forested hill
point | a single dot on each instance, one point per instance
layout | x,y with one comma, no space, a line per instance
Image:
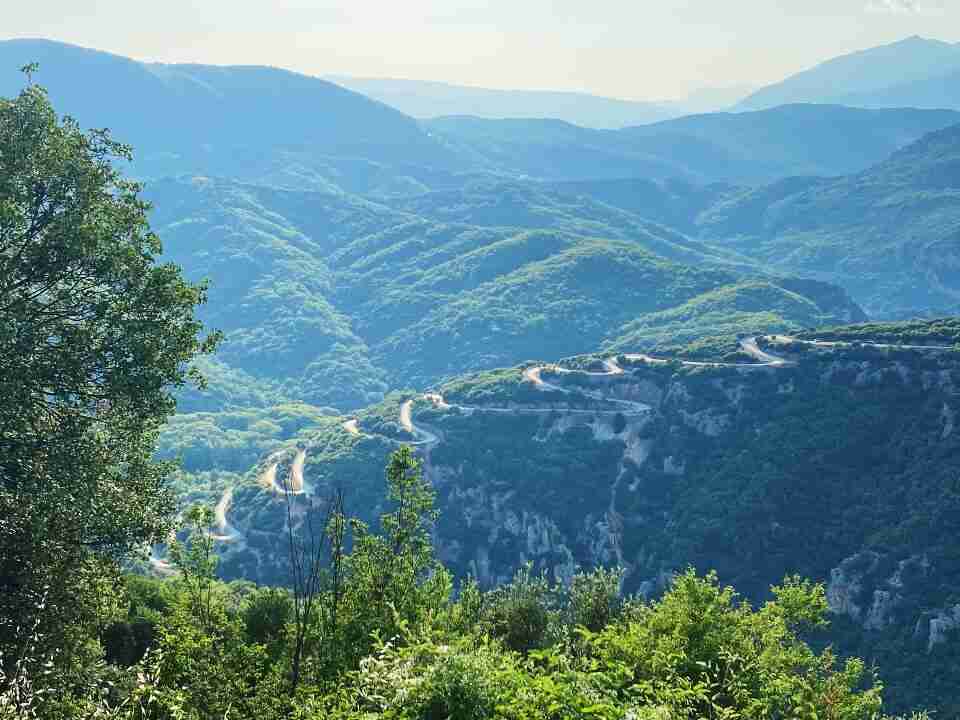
725,455
271,126
890,234
238,121
334,300
745,147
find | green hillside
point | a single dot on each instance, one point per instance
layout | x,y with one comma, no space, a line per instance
888,235
664,466
333,300
745,148
258,124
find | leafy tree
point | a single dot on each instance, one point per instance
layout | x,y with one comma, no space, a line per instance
94,335
521,612
265,614
394,579
197,563
702,652
594,598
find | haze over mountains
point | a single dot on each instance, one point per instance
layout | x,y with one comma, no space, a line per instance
748,148
400,252
425,100
281,128
598,314
252,122
890,234
915,72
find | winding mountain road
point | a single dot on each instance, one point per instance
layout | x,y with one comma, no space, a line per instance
406,422
882,346
225,532
747,345
295,482
268,478
534,375
425,438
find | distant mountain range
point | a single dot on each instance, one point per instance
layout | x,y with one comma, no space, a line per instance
865,198
251,122
426,100
270,126
749,147
915,72
889,234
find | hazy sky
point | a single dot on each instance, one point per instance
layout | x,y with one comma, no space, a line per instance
638,49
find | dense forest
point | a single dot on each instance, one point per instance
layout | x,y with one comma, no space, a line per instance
373,417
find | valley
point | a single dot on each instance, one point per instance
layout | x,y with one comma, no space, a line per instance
610,355
646,448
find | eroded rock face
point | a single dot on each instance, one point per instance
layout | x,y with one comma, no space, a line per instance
859,590
708,422
500,529
948,416
674,466
881,609
939,624
845,588
690,413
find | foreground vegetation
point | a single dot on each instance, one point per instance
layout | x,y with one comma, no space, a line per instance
374,632
98,335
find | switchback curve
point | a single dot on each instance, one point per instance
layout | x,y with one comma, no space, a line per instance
425,438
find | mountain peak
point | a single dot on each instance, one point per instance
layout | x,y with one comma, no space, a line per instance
865,78
172,109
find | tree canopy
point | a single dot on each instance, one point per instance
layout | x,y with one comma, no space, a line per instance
95,332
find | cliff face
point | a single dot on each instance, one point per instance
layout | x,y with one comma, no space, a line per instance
827,468
839,465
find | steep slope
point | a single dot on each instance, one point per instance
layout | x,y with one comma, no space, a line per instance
563,206
332,299
748,147
889,235
567,294
797,139
271,288
656,465
866,77
248,122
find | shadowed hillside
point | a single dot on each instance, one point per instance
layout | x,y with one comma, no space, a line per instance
746,147
890,235
333,299
241,121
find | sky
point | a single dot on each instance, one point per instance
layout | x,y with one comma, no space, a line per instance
632,49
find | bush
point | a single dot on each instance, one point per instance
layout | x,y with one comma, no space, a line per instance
520,612
594,599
